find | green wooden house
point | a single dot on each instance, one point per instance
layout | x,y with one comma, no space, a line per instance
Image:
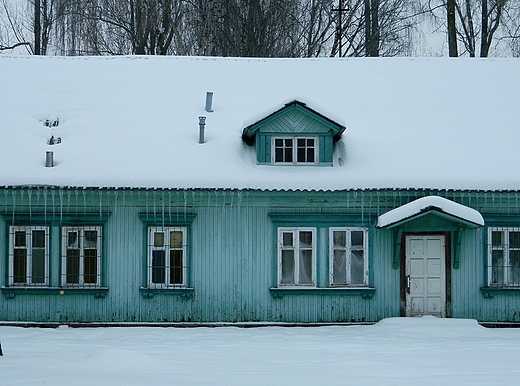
148,203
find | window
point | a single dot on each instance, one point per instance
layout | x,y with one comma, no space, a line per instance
295,150
296,256
81,256
166,257
29,255
504,257
348,257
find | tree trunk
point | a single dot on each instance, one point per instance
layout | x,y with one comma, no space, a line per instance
372,27
452,29
37,27
484,41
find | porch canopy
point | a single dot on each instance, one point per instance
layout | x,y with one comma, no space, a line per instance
435,205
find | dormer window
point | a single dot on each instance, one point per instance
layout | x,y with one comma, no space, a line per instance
294,150
294,135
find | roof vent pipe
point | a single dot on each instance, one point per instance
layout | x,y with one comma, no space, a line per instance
209,101
49,162
202,125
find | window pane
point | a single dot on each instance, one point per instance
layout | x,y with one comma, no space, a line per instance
90,239
176,267
301,155
38,239
72,263
301,142
288,154
356,238
287,267
496,238
310,154
20,239
278,155
305,267
289,142
90,266
176,239
305,239
158,267
339,267
287,239
158,239
72,240
20,265
514,267
514,239
497,267
357,267
38,266
339,239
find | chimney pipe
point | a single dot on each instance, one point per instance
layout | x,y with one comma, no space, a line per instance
202,125
49,162
209,101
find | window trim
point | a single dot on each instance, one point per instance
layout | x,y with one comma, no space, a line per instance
28,275
295,231
506,255
149,256
294,149
348,249
64,229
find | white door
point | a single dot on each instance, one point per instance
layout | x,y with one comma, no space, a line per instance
425,275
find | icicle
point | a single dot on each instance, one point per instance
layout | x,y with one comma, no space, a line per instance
84,201
60,192
76,193
162,204
170,204
69,193
53,193
45,204
115,200
100,203
185,202
30,203
13,195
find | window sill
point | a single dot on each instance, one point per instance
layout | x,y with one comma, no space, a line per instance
185,293
11,292
365,292
489,292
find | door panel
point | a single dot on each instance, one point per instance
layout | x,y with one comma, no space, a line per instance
425,265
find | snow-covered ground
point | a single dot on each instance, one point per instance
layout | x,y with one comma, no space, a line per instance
397,351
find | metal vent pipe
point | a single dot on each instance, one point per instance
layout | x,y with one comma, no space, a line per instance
49,161
209,101
202,125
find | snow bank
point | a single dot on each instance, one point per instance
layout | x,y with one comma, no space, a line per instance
397,351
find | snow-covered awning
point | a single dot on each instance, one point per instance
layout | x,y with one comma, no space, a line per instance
431,205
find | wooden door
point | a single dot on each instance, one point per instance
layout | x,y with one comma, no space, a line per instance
425,282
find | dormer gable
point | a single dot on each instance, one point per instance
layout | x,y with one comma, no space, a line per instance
294,135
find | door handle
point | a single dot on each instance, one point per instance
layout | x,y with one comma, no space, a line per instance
408,282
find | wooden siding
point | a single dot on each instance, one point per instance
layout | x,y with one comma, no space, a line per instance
232,255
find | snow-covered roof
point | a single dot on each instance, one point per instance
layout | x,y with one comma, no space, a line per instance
133,121
426,205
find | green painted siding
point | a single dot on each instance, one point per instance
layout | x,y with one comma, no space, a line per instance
232,255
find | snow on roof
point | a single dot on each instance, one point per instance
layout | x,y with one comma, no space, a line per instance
426,204
133,121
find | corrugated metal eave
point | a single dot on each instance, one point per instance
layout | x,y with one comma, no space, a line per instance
257,189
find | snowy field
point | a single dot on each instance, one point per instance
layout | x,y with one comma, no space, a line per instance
396,351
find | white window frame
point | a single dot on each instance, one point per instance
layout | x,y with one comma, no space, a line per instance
508,275
348,248
166,247
29,255
295,231
80,246
294,150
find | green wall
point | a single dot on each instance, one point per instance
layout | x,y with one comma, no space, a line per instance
232,255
